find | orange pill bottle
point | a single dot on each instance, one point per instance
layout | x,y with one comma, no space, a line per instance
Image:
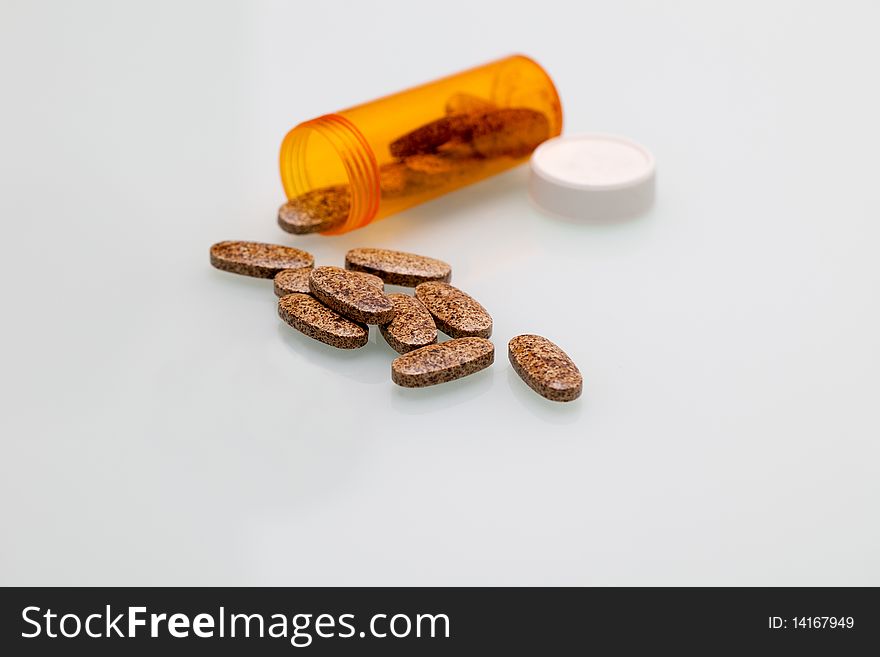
370,161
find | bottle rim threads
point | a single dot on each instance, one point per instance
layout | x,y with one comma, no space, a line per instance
355,155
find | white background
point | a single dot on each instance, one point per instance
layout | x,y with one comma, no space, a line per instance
160,424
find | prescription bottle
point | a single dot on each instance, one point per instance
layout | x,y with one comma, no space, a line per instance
344,170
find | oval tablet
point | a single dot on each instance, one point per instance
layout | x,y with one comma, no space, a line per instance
545,368
290,281
509,132
429,137
456,313
258,259
369,278
316,210
398,267
308,315
351,295
439,363
412,326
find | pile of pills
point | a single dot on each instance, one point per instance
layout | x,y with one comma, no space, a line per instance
337,305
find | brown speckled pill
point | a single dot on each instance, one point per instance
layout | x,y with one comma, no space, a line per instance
412,326
507,132
456,313
511,132
420,174
394,180
439,363
545,368
316,210
430,136
290,281
297,280
258,259
430,164
397,267
351,295
308,315
369,278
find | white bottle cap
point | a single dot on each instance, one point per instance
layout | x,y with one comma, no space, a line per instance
592,176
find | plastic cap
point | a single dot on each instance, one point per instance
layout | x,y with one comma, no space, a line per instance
592,176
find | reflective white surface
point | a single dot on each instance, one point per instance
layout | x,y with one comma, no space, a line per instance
160,425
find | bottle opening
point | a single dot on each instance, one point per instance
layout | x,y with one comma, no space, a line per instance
330,175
